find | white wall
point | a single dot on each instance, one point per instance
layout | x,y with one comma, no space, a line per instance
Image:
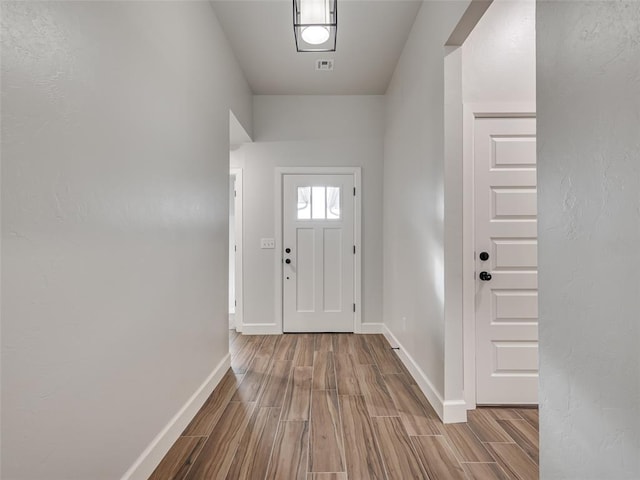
499,56
115,147
453,233
309,131
414,193
589,233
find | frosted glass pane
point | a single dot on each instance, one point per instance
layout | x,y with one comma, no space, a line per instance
333,203
304,203
318,203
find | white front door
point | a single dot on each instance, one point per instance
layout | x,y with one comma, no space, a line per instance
506,261
318,253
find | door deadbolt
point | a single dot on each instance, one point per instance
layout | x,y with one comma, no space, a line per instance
484,256
287,261
485,276
287,250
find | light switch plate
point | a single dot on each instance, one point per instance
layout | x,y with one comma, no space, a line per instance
267,243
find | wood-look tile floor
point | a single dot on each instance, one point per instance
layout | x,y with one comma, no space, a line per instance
340,406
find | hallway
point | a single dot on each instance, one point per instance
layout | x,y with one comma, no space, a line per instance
300,403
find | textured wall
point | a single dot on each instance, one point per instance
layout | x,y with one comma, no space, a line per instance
115,151
589,234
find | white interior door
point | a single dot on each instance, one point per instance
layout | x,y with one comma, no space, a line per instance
506,280
318,253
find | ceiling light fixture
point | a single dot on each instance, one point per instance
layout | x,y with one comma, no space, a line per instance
315,25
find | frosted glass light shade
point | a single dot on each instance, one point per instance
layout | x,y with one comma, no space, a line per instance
315,24
315,35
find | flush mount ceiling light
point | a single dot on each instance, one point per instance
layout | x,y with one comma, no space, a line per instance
315,25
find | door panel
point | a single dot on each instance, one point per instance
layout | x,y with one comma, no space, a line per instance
515,306
506,228
332,266
305,269
318,229
512,253
513,151
513,203
516,357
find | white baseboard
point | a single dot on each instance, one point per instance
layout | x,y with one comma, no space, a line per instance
147,462
450,411
261,329
274,329
232,321
372,328
455,411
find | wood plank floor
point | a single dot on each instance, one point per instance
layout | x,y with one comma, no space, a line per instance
340,406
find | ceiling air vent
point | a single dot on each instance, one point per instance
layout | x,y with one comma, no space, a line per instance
325,65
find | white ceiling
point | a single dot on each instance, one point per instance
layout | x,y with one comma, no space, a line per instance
371,35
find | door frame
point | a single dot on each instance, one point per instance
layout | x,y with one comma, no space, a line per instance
280,172
239,230
471,112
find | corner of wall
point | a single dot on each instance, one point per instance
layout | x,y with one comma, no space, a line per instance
449,411
416,187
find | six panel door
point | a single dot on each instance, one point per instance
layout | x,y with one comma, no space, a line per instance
506,230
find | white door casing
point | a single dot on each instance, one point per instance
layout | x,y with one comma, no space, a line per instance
238,257
506,306
232,252
318,252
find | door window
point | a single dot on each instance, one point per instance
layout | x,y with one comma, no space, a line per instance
319,203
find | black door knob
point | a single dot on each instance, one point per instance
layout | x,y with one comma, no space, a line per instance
288,250
484,256
485,276
288,260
